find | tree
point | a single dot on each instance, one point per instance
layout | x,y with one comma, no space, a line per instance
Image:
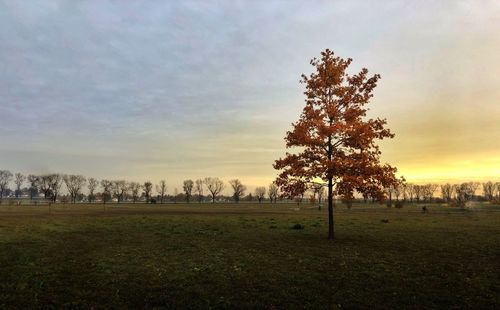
488,190
215,186
316,188
55,183
273,192
116,188
50,185
44,183
188,189
410,191
135,188
148,188
464,192
473,187
321,193
34,181
161,189
418,191
397,190
5,178
120,189
336,142
198,188
260,193
124,187
106,190
238,189
74,184
447,191
19,180
92,185
428,191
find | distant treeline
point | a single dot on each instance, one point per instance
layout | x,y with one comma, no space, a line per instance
50,187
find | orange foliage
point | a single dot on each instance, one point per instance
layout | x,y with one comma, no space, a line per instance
336,142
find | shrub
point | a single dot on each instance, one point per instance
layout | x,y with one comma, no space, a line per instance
388,203
298,226
399,204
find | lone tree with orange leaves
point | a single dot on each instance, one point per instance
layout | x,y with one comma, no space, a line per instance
336,142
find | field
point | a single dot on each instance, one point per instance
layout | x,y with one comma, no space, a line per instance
247,256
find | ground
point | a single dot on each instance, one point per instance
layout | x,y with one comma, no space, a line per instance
248,256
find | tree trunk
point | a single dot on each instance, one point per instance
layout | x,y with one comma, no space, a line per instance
330,209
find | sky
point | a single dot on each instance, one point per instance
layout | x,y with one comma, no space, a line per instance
151,90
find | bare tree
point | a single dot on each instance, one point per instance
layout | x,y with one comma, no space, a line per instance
74,184
162,190
215,186
397,190
410,191
19,180
120,188
238,189
50,185
473,187
107,187
260,193
198,188
124,187
428,191
321,193
488,190
135,188
447,191
45,186
389,191
34,182
188,189
317,190
273,192
55,181
465,192
148,188
116,189
418,191
92,185
5,178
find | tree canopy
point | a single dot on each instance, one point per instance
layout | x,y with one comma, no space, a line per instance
336,142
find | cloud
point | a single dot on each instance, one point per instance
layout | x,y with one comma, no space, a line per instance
197,87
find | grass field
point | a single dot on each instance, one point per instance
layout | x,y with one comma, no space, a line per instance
247,256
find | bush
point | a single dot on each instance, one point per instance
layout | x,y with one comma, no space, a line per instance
399,204
298,226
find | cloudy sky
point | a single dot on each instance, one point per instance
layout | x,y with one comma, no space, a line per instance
187,89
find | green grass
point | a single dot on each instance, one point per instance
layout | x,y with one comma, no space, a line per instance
246,256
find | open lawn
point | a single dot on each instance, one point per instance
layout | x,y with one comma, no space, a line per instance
247,255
